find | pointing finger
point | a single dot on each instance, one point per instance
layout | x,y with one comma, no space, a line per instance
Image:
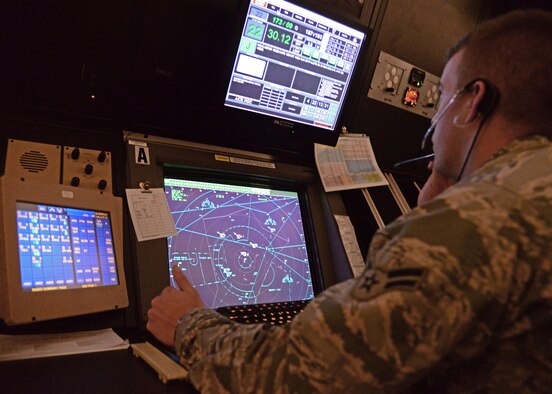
181,280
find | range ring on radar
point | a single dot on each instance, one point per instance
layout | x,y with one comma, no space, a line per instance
243,261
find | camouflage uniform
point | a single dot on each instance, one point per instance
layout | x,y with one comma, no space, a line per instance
457,298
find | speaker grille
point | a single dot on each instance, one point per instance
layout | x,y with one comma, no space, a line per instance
34,161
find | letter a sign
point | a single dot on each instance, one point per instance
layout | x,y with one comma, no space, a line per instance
141,154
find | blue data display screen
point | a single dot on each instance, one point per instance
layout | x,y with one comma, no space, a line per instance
239,245
64,248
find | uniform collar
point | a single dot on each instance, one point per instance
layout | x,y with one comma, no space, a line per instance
525,143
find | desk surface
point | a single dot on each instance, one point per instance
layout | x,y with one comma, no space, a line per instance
99,373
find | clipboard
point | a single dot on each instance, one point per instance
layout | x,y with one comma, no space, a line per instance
150,213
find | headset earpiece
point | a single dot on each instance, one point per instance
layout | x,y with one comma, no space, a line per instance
485,107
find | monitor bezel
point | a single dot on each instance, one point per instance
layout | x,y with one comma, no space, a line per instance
23,306
278,133
232,178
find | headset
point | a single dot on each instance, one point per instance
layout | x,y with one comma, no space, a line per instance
485,108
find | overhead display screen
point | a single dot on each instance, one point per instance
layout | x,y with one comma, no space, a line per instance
239,245
293,64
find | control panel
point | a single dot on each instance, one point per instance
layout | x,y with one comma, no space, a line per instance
74,166
404,86
61,231
87,168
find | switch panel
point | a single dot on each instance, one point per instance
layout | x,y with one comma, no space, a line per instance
404,86
87,168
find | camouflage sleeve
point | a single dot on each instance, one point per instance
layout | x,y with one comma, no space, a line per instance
431,287
345,341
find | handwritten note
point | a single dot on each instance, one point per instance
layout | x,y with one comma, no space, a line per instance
150,214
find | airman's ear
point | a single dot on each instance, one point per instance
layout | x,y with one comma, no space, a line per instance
475,103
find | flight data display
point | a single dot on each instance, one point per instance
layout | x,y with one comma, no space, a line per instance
293,64
239,245
64,248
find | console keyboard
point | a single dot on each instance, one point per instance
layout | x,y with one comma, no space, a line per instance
273,313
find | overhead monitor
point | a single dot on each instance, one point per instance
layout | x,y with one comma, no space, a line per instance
61,253
239,244
295,67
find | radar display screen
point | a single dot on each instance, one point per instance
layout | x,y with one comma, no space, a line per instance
239,245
